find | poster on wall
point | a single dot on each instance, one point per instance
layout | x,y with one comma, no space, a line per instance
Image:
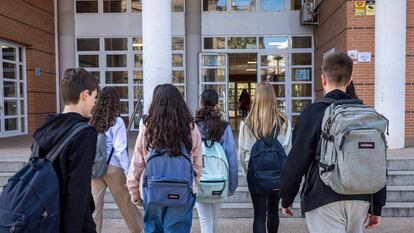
360,8
353,54
302,75
370,7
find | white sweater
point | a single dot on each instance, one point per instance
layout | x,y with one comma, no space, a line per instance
247,140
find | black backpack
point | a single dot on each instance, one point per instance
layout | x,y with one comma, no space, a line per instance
265,165
30,201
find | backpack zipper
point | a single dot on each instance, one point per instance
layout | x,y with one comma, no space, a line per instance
346,134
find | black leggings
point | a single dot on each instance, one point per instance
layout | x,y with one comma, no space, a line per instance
263,203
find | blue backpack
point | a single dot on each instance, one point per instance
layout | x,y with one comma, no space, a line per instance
168,179
265,165
30,201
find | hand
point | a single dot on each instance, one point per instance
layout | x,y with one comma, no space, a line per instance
372,221
287,212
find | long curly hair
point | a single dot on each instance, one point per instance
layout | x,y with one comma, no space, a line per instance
169,122
210,116
106,109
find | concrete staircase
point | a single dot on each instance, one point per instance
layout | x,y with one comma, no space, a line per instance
400,196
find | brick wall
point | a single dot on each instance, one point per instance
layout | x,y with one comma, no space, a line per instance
31,24
409,104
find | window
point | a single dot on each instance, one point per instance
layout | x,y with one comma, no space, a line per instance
301,59
88,61
115,6
177,5
116,44
214,5
296,4
241,43
86,6
274,42
272,5
136,5
301,42
178,64
243,5
87,44
214,43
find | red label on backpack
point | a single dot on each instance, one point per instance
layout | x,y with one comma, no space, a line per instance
366,145
173,196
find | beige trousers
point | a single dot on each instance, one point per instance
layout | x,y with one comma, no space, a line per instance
115,180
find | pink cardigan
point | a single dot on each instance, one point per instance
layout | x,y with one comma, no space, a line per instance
140,156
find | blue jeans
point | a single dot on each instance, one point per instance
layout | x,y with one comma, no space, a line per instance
158,219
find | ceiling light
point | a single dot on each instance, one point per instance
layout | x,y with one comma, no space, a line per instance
251,70
137,45
252,62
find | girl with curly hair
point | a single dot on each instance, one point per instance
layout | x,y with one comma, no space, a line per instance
168,131
106,119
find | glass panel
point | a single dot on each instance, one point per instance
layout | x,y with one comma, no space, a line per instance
214,43
181,89
279,90
116,77
301,74
178,43
243,5
97,75
272,5
10,107
281,104
138,60
116,60
122,91
177,6
220,89
88,60
9,70
10,124
138,77
22,125
21,75
22,107
273,75
9,53
88,44
136,5
124,107
299,105
274,42
213,75
177,60
20,54
137,44
116,44
10,89
301,90
178,76
241,42
295,4
214,60
301,59
273,60
137,91
214,5
115,6
302,42
86,6
21,89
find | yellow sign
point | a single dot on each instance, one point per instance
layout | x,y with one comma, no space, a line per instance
360,8
370,8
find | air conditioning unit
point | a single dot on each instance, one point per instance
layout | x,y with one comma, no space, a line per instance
307,15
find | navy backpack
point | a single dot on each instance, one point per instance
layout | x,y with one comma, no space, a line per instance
265,165
30,201
168,179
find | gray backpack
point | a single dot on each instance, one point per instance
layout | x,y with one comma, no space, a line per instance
353,148
100,164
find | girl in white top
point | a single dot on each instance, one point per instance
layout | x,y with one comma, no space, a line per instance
263,117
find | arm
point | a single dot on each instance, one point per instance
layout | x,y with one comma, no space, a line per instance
379,199
196,152
80,156
287,142
120,144
243,152
230,150
136,167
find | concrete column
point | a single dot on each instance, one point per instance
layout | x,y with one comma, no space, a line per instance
193,48
66,40
156,32
390,65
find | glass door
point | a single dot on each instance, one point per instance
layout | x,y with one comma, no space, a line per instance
273,68
214,75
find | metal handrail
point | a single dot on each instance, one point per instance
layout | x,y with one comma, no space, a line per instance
132,117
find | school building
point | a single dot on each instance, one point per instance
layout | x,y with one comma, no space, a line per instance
227,45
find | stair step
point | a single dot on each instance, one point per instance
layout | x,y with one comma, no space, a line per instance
400,178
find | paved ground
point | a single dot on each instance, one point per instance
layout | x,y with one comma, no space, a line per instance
295,225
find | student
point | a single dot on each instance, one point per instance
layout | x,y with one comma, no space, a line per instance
168,132
106,119
326,210
208,119
78,88
244,101
263,119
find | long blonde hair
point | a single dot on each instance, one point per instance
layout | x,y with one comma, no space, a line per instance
264,114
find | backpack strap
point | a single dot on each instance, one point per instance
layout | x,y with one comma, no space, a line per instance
55,151
110,155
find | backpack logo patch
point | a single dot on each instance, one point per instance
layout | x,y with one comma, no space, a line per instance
366,145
